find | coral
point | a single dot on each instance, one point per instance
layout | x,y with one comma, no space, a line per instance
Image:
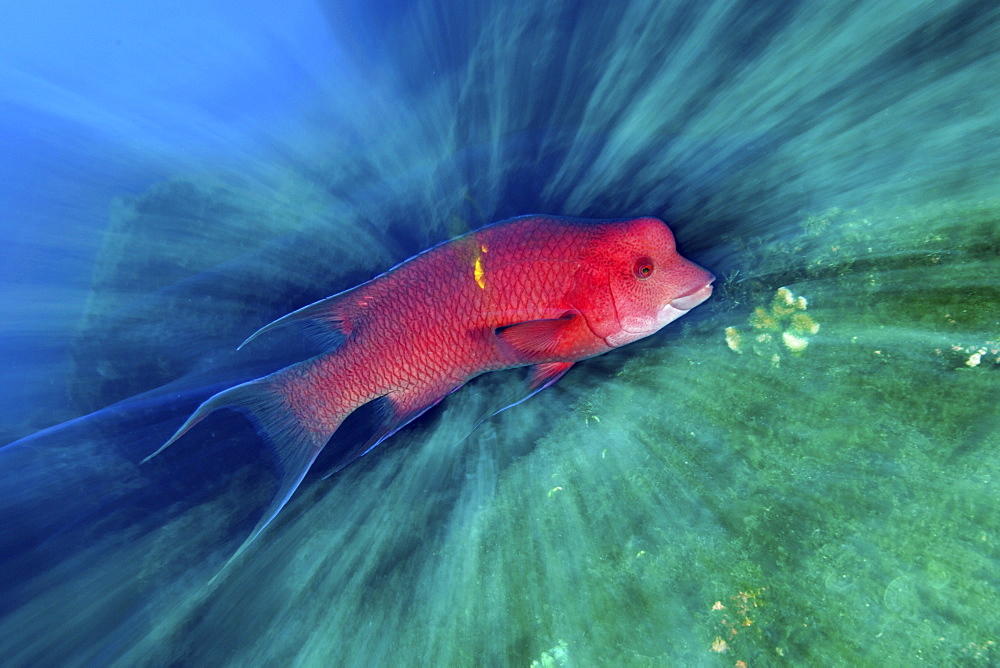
785,320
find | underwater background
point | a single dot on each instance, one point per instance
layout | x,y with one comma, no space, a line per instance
803,471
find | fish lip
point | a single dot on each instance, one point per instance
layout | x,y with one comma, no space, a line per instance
689,300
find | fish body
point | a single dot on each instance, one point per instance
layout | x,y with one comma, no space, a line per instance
535,291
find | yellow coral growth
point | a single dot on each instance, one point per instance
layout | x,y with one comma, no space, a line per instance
794,343
783,303
786,317
762,319
804,324
734,339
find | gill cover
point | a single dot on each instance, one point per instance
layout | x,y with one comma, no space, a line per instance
648,274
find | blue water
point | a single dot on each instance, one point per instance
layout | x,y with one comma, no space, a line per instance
770,480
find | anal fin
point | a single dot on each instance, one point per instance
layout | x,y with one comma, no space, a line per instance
369,425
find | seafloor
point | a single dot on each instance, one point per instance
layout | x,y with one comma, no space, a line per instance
803,471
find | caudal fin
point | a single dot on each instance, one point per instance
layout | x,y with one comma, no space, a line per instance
293,444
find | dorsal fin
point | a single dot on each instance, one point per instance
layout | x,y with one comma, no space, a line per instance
326,318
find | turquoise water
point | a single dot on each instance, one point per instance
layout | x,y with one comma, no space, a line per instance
800,472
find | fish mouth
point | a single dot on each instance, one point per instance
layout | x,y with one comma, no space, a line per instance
633,329
688,301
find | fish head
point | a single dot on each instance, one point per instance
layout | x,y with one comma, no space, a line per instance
638,282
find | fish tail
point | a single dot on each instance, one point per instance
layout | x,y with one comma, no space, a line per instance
289,435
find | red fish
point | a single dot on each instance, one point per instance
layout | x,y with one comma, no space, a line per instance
535,291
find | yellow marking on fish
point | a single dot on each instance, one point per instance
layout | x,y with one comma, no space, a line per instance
478,271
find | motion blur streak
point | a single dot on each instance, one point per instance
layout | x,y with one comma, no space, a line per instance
800,472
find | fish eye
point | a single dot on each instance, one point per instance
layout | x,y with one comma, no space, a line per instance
643,268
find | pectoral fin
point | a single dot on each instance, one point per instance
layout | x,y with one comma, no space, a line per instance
538,339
